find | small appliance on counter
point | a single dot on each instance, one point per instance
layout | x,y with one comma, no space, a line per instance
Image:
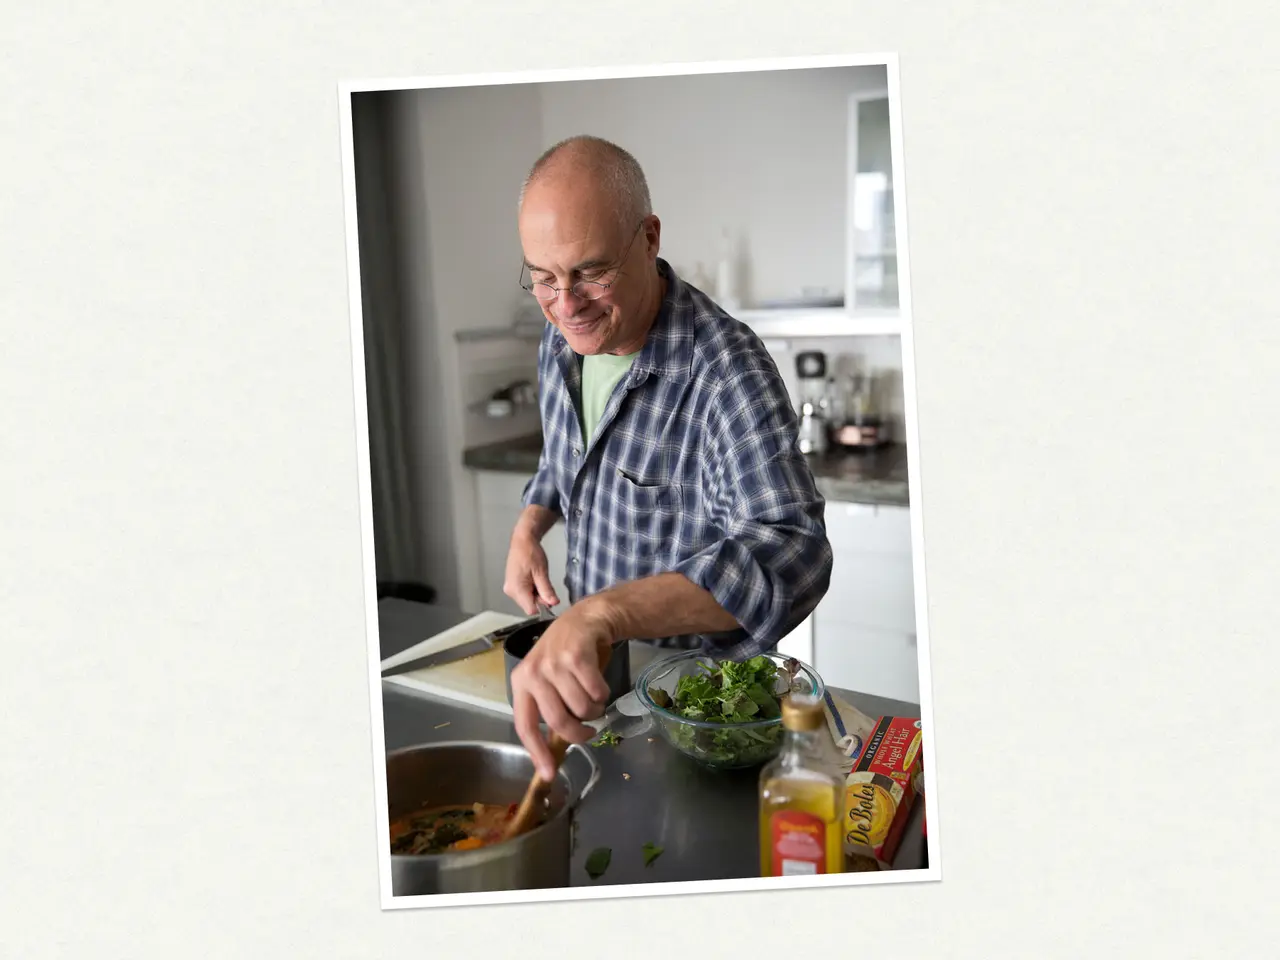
811,367
860,428
836,415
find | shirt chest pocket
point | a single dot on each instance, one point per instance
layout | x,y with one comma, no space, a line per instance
657,518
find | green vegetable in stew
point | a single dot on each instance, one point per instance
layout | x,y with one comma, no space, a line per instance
728,693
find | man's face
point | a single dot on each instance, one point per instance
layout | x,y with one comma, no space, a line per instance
569,233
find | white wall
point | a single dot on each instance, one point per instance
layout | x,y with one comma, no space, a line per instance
460,156
769,147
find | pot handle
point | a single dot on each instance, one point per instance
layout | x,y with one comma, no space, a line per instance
592,778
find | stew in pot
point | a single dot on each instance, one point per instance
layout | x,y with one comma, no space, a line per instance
452,828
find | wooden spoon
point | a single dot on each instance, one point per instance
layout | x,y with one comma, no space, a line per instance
526,815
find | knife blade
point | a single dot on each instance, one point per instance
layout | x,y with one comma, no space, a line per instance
462,651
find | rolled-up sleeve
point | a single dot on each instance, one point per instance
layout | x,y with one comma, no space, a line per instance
773,565
541,488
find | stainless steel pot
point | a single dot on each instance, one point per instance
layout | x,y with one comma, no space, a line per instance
441,774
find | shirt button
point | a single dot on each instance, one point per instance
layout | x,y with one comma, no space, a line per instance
573,562
577,512
576,453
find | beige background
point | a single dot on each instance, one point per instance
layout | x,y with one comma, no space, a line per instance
1092,225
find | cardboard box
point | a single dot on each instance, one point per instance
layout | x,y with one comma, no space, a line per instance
880,790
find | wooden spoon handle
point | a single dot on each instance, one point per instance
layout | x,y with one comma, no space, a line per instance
526,815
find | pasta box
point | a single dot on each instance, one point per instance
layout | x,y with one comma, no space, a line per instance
880,789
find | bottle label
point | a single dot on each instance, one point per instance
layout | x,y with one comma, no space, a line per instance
798,844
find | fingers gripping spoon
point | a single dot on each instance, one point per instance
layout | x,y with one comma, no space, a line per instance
526,815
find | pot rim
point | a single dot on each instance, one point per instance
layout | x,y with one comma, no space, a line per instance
499,850
535,627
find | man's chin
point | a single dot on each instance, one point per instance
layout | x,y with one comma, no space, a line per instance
585,338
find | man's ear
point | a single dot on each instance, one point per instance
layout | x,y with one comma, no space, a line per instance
653,235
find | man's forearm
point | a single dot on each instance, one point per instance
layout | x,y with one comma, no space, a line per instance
665,605
534,522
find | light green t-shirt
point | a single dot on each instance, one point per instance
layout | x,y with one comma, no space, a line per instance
600,374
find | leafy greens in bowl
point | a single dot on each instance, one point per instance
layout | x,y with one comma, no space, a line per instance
725,714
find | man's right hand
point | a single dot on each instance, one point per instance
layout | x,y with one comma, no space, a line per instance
527,581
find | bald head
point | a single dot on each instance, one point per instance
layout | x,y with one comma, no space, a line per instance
591,240
590,165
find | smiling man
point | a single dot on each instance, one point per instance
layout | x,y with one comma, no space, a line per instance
669,451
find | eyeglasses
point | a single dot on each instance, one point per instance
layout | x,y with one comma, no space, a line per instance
582,289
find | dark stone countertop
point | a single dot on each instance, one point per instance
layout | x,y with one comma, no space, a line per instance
876,477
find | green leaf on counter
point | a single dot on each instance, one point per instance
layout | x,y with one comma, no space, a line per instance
598,862
651,853
606,739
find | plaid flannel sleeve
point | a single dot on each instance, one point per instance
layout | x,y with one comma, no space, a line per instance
541,488
773,565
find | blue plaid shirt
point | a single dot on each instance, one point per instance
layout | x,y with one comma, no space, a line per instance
694,469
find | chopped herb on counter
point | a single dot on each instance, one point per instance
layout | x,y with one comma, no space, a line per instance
651,853
598,862
607,739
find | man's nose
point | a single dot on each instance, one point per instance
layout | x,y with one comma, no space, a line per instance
569,302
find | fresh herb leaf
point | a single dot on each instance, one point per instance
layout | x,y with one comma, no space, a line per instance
598,862
651,853
606,739
729,693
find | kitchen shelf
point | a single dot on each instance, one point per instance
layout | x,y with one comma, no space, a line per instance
521,332
823,322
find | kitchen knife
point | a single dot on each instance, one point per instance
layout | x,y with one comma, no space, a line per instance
462,651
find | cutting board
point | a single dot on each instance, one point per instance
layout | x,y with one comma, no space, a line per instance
479,681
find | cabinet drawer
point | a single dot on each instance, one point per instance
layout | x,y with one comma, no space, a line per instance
881,663
862,528
873,590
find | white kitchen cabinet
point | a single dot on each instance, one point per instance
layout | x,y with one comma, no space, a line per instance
498,500
864,630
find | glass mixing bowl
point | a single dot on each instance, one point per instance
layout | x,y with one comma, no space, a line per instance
720,746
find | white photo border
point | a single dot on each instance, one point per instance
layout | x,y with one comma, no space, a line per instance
346,89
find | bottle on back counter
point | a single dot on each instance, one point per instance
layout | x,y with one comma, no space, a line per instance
801,798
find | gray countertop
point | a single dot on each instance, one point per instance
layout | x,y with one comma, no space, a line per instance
705,821
875,477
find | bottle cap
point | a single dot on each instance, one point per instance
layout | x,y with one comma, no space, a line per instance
802,714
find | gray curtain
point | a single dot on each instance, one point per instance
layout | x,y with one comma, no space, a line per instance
396,545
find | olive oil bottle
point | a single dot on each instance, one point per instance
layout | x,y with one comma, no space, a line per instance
801,799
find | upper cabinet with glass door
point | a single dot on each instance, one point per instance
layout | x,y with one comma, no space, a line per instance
871,303
872,249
